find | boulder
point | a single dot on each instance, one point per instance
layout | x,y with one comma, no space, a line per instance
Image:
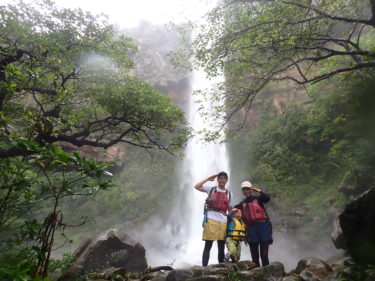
75,273
183,274
111,248
155,276
357,222
245,265
337,236
273,272
249,275
312,269
292,278
339,261
308,275
209,278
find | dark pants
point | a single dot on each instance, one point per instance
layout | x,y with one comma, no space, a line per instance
254,250
207,249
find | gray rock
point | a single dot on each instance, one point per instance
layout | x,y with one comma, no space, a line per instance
310,263
155,276
75,273
245,265
357,222
292,278
209,278
249,275
273,272
183,274
111,248
215,271
337,236
339,261
308,275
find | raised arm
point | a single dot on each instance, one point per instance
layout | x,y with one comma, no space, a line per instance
264,197
199,185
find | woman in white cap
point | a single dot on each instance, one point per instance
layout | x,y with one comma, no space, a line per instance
259,229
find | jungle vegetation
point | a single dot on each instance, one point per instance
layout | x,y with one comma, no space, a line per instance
65,80
253,43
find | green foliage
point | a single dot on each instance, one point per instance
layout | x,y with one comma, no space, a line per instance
359,273
232,274
43,180
305,154
255,43
63,264
144,187
65,75
18,264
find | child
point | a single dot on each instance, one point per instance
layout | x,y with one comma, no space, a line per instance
236,232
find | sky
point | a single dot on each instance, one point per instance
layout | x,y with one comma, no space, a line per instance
128,13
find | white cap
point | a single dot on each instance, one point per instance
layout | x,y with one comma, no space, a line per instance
246,184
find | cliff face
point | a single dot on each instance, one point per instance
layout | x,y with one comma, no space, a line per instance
155,42
272,101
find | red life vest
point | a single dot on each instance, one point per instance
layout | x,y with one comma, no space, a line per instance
218,201
252,212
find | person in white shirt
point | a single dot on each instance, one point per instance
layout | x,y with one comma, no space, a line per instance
218,203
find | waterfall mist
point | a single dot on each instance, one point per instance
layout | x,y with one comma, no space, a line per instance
177,239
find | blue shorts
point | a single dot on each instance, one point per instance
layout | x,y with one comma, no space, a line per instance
259,232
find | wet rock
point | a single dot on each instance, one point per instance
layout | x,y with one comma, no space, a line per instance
160,268
339,261
338,274
273,272
311,262
209,278
337,236
75,273
249,275
183,274
357,222
118,278
245,265
308,275
112,248
215,270
292,278
312,269
155,276
109,273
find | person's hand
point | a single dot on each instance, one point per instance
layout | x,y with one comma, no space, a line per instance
255,189
212,178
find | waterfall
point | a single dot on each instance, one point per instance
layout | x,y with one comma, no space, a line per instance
177,240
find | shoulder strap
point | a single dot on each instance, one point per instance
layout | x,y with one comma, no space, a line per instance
209,194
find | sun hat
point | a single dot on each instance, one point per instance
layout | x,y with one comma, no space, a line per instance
246,184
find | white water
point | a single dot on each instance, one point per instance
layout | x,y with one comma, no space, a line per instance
178,240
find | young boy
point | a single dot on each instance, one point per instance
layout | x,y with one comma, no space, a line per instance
236,232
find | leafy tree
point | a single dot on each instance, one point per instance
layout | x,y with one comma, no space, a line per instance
65,76
255,42
41,184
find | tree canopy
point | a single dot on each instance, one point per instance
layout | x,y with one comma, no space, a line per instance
254,42
65,75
